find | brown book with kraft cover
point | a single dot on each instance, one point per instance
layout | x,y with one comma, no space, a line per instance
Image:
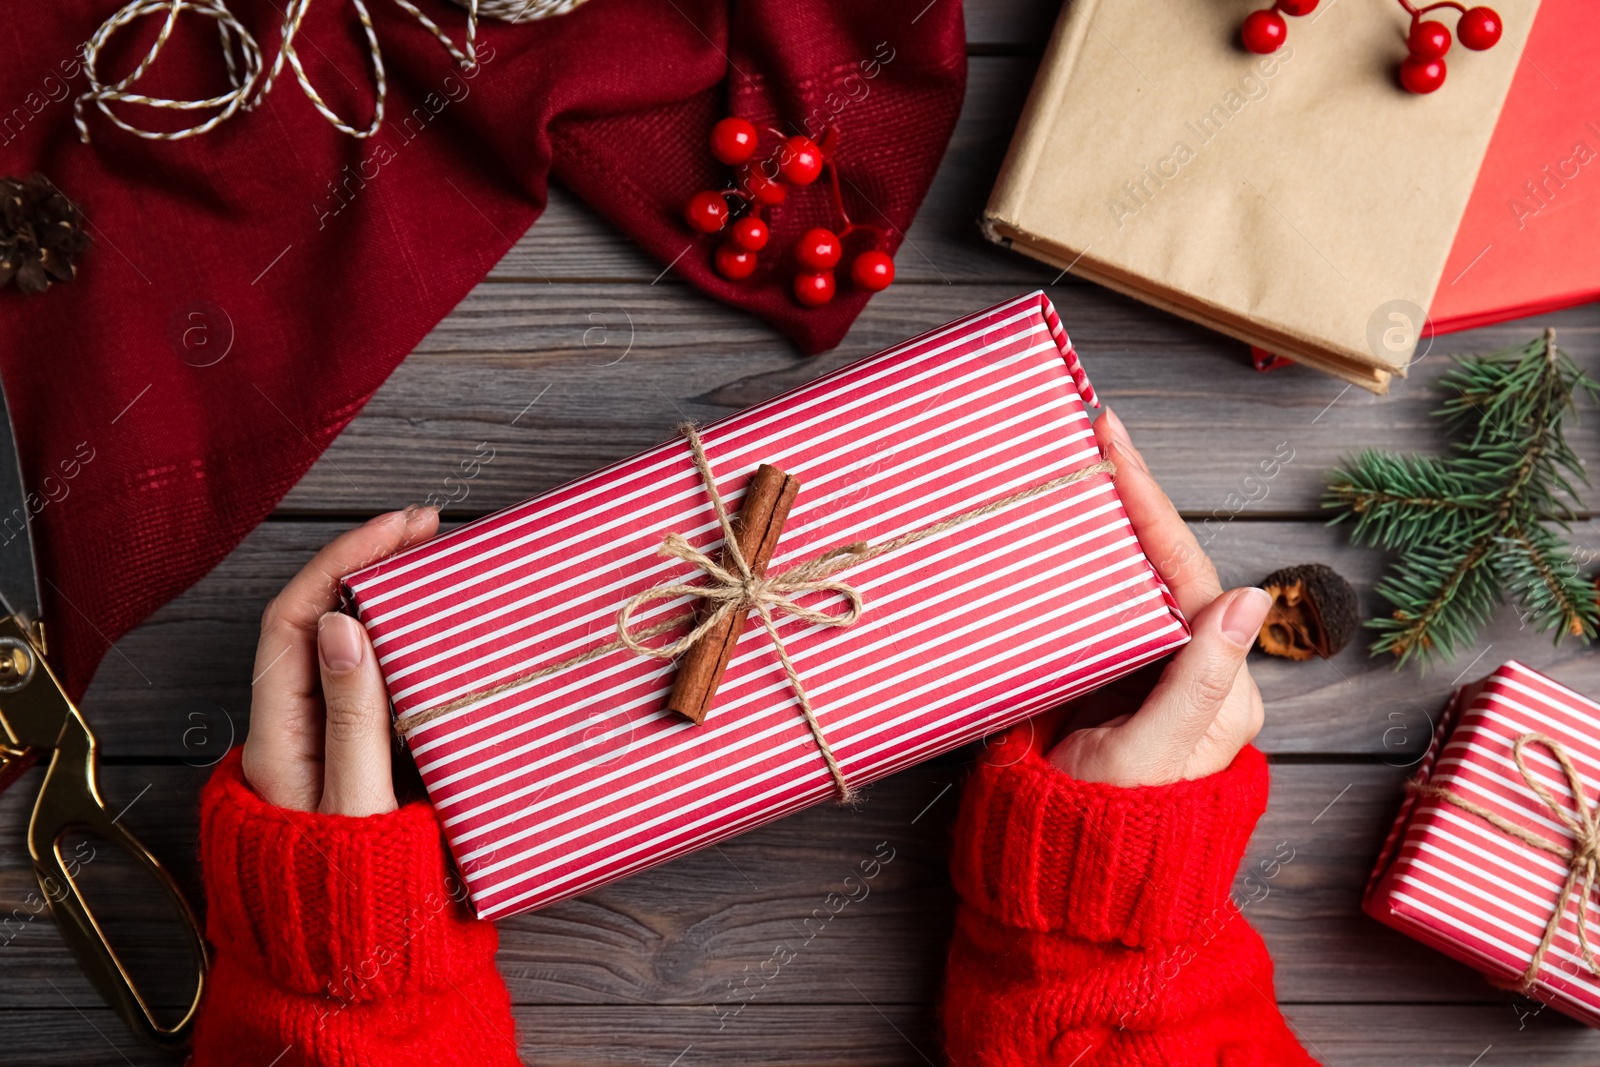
1300,201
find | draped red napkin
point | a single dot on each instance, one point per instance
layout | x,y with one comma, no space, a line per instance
315,262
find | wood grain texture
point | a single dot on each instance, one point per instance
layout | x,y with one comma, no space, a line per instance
1010,25
553,381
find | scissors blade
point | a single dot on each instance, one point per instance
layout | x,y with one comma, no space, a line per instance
19,581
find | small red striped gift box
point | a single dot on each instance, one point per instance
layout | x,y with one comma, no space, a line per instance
1490,858
544,743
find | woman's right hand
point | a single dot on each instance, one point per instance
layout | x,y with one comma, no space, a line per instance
1205,708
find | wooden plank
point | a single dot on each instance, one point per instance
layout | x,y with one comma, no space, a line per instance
179,686
557,380
694,931
1379,1035
73,1035
1355,703
1010,25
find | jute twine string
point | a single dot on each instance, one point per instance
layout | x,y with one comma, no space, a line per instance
245,63
739,590
1582,859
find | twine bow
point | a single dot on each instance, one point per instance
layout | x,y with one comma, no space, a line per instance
1582,859
245,64
740,590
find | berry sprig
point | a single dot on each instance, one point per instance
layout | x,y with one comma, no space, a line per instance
797,162
1423,71
1427,42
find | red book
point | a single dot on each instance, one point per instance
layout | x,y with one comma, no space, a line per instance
1526,243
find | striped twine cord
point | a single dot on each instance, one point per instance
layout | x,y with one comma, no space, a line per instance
245,62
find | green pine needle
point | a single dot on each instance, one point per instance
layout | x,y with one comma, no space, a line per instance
1481,525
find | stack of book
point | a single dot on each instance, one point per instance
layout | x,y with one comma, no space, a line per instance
1302,201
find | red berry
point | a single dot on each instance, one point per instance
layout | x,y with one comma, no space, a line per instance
706,211
1297,8
1420,75
750,234
1263,31
764,190
1429,40
1479,28
814,290
817,249
800,161
872,270
735,263
733,141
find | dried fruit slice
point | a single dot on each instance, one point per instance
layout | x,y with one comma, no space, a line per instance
1314,612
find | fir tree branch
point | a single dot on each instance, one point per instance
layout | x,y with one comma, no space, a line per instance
1401,501
1441,599
1554,595
1478,523
1548,394
1520,400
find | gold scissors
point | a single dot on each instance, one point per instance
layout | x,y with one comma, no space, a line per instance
38,722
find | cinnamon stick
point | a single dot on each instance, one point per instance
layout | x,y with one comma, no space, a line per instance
757,528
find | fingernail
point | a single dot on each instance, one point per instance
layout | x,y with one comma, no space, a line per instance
1242,618
1121,443
414,513
1119,432
339,642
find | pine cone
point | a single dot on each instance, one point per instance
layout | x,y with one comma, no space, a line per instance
41,234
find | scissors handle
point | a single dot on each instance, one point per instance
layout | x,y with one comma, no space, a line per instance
70,802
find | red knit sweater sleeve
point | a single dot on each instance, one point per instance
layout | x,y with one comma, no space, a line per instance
337,941
1097,927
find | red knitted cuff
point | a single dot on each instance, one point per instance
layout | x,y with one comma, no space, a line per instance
1039,850
352,908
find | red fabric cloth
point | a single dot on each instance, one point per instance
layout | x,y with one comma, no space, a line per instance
340,942
1097,927
316,261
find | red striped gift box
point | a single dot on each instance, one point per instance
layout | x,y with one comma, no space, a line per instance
1450,878
572,779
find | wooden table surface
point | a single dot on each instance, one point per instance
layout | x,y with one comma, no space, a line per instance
578,350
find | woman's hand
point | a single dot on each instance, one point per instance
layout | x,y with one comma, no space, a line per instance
1205,708
319,714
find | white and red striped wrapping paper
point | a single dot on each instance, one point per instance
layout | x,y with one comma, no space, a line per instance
581,777
1449,879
